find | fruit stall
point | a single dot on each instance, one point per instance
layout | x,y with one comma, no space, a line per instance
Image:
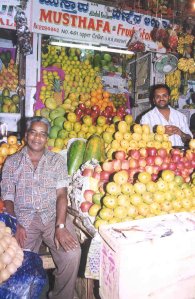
120,172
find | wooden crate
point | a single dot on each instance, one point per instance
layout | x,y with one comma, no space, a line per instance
149,258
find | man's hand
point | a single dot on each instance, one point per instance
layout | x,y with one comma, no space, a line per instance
65,239
171,130
20,235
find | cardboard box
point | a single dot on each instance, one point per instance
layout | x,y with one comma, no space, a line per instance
149,258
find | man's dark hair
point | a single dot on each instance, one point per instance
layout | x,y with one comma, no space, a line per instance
158,86
35,119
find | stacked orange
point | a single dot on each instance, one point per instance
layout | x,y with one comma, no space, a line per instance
9,148
101,98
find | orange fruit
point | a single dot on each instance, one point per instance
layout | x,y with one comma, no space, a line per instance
12,139
99,90
4,151
12,150
99,96
106,94
5,145
93,93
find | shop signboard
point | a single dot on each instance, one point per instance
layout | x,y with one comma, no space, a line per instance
8,12
93,23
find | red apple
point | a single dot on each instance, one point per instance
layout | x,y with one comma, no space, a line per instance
95,108
178,172
108,166
121,109
149,169
109,109
165,166
176,151
133,163
88,111
85,205
187,164
94,114
142,162
167,159
116,164
120,155
135,154
193,163
87,172
172,166
104,176
152,151
82,106
143,152
180,165
125,164
175,158
158,160
78,111
162,152
150,160
88,194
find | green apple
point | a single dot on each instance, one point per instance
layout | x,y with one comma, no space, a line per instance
101,121
87,120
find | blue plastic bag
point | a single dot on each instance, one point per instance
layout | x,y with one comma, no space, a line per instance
30,278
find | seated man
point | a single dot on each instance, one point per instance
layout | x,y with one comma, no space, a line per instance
175,122
33,184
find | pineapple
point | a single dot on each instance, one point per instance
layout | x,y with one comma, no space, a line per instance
57,86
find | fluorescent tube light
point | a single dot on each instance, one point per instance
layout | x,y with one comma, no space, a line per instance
90,47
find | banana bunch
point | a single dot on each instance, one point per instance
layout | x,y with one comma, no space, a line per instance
173,79
186,65
184,42
174,93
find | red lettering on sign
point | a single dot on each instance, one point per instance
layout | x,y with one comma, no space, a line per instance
91,24
82,22
57,17
46,16
107,27
65,19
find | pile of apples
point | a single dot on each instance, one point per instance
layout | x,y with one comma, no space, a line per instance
94,112
128,136
121,200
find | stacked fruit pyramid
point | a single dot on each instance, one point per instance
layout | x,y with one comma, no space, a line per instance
71,96
137,182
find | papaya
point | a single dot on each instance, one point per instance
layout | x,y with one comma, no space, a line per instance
93,149
103,152
75,155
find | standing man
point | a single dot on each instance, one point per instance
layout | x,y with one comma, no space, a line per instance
33,187
175,122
